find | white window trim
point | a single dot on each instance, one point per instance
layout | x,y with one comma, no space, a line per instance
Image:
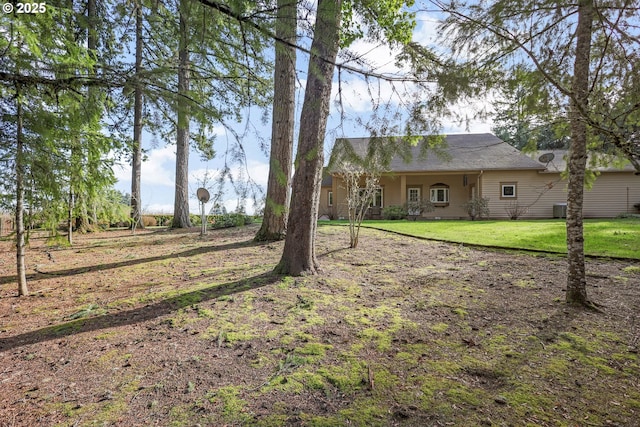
372,205
330,198
381,189
509,196
433,194
415,210
417,189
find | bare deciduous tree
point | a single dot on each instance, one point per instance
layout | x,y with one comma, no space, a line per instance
361,185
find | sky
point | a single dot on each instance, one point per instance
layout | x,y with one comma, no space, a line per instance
158,171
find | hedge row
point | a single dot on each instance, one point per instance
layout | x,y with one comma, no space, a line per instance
213,221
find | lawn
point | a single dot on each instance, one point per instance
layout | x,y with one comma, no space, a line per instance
603,237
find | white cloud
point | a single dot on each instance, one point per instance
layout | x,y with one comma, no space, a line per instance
426,32
197,177
259,172
158,208
159,169
380,57
122,172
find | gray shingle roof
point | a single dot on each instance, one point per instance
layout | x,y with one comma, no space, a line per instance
463,152
595,161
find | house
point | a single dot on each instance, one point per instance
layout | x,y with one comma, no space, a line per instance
482,165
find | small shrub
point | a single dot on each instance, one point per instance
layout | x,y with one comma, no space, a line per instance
230,220
149,221
477,208
195,220
515,210
164,220
628,215
394,212
417,208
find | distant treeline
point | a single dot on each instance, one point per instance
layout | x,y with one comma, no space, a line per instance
213,221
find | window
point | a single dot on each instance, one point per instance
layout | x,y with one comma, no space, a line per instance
330,198
439,194
378,198
413,201
414,195
508,190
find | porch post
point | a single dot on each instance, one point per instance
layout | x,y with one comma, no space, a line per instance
403,189
334,188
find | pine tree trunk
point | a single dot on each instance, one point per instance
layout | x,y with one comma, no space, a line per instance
83,224
181,203
274,222
299,250
23,290
136,168
82,215
70,219
576,292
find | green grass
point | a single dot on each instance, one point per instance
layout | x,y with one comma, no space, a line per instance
603,237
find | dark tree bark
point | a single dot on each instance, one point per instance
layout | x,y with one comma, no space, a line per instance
274,223
299,250
83,224
71,218
136,167
576,292
181,202
23,290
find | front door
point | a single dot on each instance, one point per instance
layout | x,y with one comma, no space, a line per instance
413,201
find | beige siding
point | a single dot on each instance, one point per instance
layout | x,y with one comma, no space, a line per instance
612,193
324,208
339,199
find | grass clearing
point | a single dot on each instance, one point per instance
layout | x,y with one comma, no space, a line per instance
603,237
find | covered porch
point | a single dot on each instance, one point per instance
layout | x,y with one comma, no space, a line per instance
447,192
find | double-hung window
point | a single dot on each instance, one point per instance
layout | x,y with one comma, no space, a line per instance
378,198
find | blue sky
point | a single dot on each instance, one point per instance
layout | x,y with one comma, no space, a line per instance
158,171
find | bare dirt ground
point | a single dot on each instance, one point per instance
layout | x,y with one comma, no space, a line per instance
168,328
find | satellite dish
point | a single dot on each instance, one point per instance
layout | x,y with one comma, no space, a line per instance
546,158
203,195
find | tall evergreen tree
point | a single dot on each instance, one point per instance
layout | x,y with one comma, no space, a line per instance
299,251
45,65
181,198
577,162
274,221
207,67
136,150
597,43
386,20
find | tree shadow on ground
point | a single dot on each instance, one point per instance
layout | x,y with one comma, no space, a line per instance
128,263
137,315
334,251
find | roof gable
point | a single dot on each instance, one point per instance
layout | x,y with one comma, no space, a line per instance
463,152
